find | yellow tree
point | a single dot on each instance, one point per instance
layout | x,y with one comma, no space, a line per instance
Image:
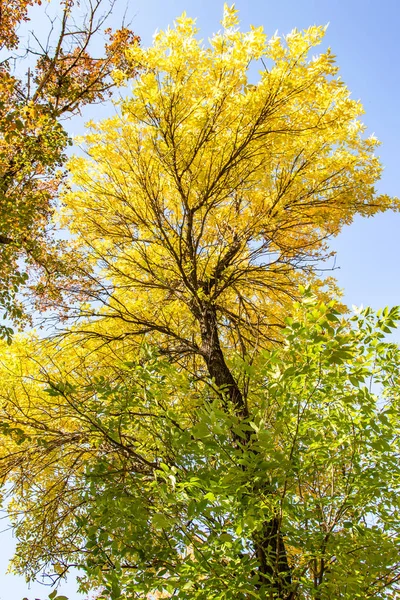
204,203
208,199
202,206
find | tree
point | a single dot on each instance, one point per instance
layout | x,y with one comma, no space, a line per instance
62,77
138,475
208,199
197,214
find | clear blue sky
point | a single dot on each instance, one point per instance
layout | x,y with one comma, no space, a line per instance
364,36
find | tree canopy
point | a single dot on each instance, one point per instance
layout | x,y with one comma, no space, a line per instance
206,426
212,194
62,76
138,475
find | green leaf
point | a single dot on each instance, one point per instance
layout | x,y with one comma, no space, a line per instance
160,521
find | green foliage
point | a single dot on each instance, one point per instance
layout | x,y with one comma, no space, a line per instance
177,488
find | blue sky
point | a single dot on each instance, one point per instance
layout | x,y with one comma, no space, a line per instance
363,35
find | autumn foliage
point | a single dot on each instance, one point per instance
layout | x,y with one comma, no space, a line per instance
12,13
62,78
206,422
212,193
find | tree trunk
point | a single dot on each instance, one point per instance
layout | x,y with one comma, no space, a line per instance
269,544
215,361
271,553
